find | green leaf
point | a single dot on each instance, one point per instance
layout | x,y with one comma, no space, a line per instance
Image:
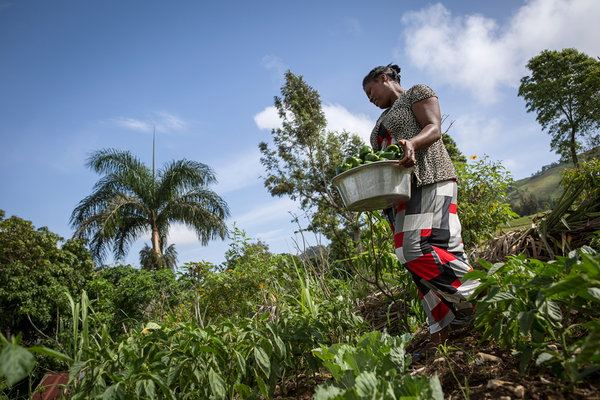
75,370
590,344
526,355
243,391
262,386
569,286
174,374
145,388
525,320
499,297
262,359
475,274
217,384
280,347
542,358
366,384
436,388
114,392
494,269
15,363
51,353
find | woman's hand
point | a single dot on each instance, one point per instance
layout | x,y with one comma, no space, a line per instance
410,158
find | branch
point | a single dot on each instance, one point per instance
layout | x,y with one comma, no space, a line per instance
44,335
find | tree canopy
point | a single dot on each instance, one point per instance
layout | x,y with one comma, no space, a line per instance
564,91
305,157
132,199
36,268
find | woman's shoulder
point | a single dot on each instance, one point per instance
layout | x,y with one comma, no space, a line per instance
420,92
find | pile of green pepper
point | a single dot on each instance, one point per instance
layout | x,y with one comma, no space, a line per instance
367,155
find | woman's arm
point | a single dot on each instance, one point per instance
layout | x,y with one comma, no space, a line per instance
428,114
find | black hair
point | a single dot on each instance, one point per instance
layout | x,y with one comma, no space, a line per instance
391,70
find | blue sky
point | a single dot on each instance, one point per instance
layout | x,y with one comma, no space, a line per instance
79,76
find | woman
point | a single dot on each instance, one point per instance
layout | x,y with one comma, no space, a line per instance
427,231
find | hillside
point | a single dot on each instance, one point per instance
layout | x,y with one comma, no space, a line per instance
545,186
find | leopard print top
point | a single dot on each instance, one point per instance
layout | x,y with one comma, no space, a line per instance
399,122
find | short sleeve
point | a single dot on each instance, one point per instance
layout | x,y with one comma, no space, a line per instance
421,92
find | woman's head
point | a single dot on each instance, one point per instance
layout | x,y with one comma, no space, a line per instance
391,70
382,86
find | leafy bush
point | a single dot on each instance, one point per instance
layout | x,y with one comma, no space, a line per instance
543,308
482,204
374,369
181,360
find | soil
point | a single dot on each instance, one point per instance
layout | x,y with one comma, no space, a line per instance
496,377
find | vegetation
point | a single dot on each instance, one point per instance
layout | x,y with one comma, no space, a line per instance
264,325
305,159
564,91
131,200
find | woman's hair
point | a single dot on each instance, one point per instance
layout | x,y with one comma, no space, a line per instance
391,70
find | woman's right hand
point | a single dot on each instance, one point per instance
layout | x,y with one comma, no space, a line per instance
410,158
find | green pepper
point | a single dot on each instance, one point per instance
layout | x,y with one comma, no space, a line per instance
393,148
364,151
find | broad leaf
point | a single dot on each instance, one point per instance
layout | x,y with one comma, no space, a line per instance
217,384
262,359
15,363
114,392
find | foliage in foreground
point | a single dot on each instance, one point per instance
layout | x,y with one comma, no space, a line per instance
547,311
184,361
374,369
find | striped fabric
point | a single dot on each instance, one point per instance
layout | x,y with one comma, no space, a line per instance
427,236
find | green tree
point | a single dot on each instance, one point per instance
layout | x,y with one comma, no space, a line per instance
36,267
564,90
303,162
482,202
132,199
150,260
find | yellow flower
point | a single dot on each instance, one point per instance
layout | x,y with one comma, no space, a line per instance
474,156
165,316
145,331
189,303
261,285
229,270
181,304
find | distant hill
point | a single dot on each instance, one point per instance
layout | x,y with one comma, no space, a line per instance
544,185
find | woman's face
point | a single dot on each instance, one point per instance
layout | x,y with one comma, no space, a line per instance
379,92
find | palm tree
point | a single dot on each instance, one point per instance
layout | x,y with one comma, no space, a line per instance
151,260
131,200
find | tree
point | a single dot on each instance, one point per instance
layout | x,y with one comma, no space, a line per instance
303,162
35,270
564,90
150,260
131,200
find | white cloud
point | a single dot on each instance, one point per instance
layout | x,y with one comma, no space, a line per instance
164,122
274,64
476,134
266,212
267,119
133,124
476,53
180,235
338,119
244,172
